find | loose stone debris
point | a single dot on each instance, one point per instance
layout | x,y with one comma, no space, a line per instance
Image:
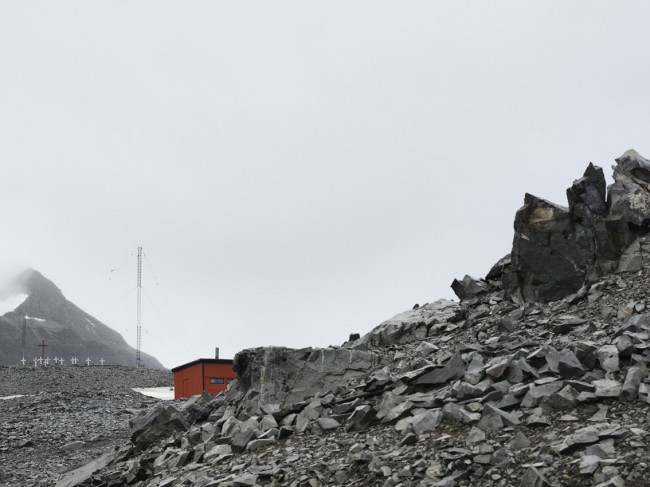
61,419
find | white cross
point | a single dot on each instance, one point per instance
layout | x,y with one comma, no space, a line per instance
40,360
47,361
101,361
35,362
56,360
74,360
23,360
88,361
61,360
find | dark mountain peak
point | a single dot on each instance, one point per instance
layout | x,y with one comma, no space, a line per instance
31,281
33,301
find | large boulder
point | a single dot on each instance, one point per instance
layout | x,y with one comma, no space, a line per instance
285,376
156,424
551,253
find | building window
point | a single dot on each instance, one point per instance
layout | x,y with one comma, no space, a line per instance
216,380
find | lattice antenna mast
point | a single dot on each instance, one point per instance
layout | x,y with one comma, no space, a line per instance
137,352
24,329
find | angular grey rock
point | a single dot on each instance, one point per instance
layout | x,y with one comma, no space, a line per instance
427,421
582,437
328,424
216,452
534,478
498,269
155,425
258,443
538,418
630,390
241,440
519,442
490,423
585,352
608,358
587,196
458,413
453,369
78,476
468,287
508,418
563,400
244,480
551,252
629,194
589,464
397,412
361,418
538,394
607,388
568,365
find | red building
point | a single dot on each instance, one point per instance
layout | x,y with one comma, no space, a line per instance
205,374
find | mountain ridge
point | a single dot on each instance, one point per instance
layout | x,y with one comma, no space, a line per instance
68,330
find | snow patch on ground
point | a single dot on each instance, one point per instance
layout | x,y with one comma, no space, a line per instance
40,320
12,397
91,323
11,302
164,393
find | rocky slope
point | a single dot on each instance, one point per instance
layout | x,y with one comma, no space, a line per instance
65,417
538,377
67,330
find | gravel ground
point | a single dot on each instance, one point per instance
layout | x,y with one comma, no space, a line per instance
66,417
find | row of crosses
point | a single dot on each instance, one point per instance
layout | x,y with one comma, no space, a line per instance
45,361
58,361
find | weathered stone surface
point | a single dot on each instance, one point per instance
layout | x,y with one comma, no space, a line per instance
568,365
608,358
156,424
550,254
81,474
328,424
241,440
413,324
607,388
297,374
453,369
557,250
541,393
630,390
534,478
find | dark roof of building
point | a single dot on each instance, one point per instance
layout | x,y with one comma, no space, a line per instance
223,361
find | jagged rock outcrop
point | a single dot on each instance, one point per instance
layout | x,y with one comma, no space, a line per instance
67,330
556,249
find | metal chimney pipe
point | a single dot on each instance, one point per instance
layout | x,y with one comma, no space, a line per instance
216,352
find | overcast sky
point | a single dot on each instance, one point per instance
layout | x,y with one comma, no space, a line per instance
296,171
